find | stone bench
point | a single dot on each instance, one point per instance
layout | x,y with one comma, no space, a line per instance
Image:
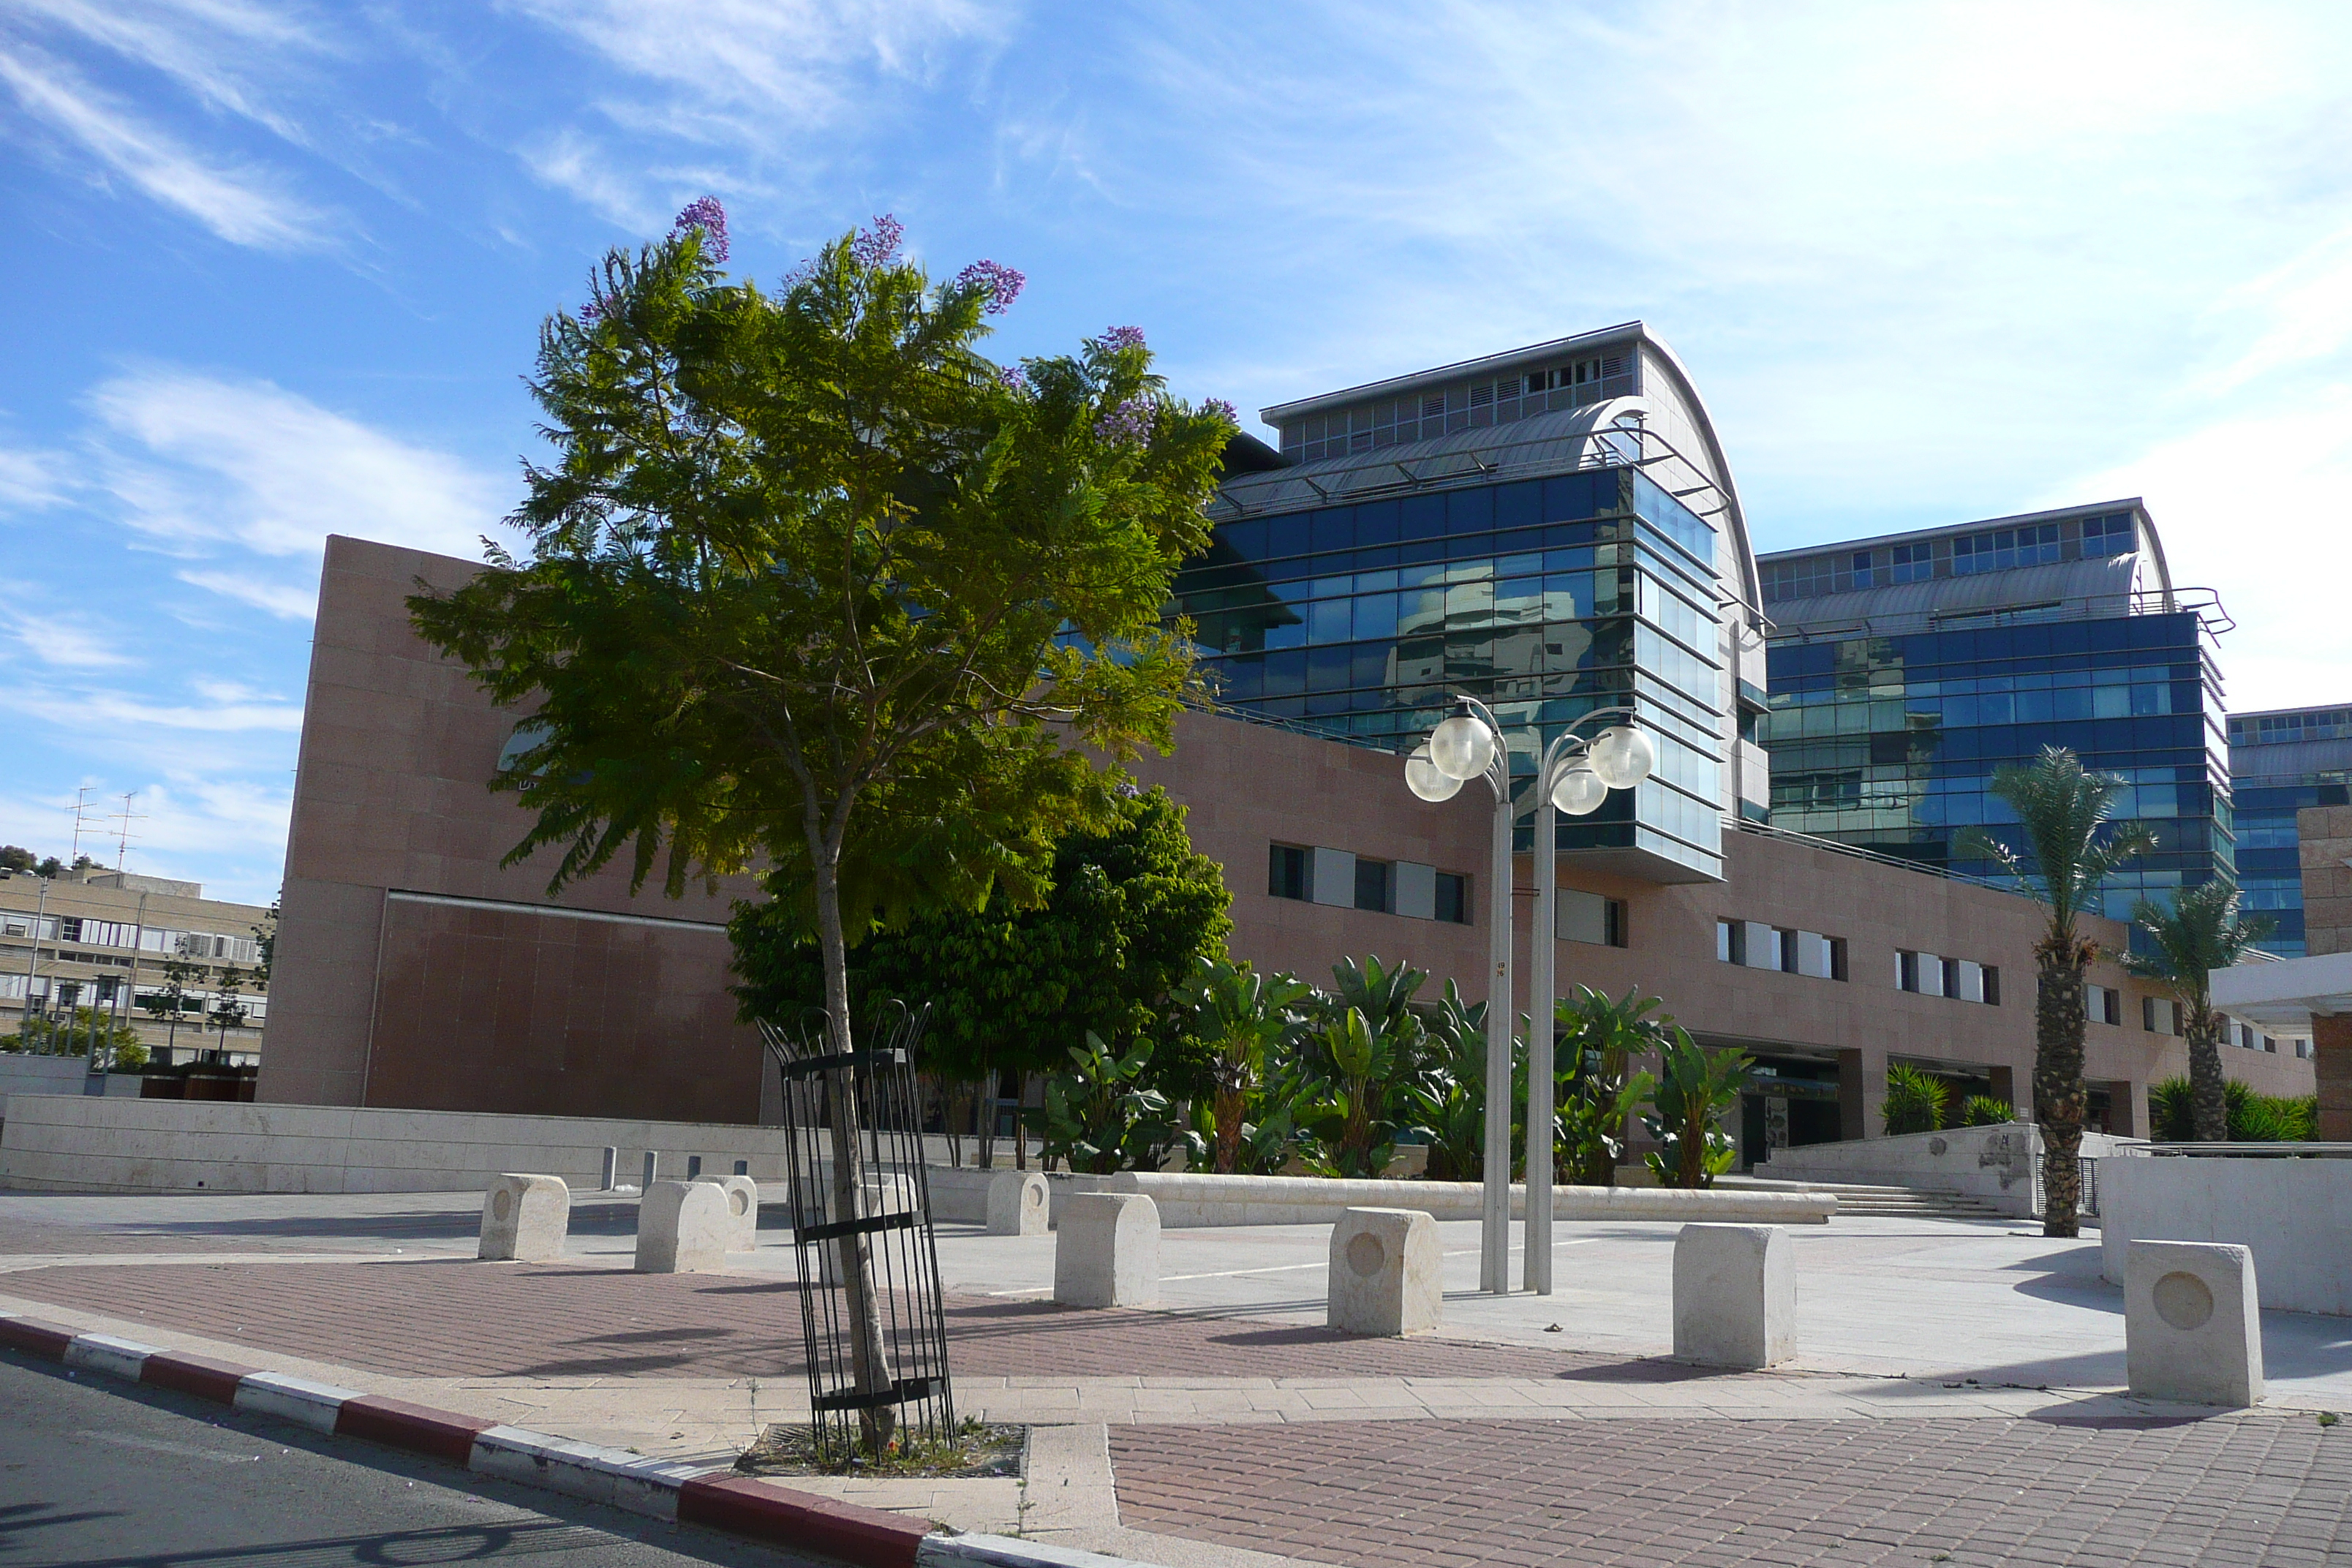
683,1227
1107,1252
2192,1322
525,1218
1384,1273
1734,1295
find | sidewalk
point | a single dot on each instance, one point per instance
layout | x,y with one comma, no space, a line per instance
1230,1427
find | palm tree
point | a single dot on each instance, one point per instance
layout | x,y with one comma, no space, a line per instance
2066,815
2199,934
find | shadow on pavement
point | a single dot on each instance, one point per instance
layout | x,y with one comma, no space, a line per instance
448,1544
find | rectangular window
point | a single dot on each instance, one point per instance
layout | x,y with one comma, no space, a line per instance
2157,1016
1286,872
1579,916
2109,535
1374,885
1912,563
1453,898
1991,986
2103,1003
1730,941
70,928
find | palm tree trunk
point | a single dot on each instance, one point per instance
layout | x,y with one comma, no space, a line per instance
2208,1104
1231,1104
2058,1084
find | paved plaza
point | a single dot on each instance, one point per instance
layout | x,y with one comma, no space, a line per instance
1956,1398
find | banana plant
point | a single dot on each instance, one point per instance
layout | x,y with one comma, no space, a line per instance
1242,1018
1688,1103
1352,1114
1100,1116
1599,1092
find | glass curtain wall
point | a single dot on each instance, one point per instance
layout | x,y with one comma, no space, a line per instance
1545,598
2279,764
1889,743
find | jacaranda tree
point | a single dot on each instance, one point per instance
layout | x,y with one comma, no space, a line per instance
816,590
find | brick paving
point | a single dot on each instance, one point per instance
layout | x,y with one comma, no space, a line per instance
2261,1489
446,1317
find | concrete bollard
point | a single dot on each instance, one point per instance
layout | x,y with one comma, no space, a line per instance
693,1167
1734,1295
1383,1277
653,1169
742,1211
1017,1204
525,1218
2192,1324
612,1172
1107,1251
682,1228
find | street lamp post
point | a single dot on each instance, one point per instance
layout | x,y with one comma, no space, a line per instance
1575,776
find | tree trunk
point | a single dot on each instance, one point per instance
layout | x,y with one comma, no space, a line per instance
2058,1083
1231,1105
868,1352
2208,1102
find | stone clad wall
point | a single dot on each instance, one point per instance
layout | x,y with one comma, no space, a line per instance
2297,1215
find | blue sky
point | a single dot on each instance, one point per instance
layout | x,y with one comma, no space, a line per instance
275,270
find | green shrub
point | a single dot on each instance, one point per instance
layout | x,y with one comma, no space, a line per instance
1916,1099
1985,1110
2254,1117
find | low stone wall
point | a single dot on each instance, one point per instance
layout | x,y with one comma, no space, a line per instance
1188,1200
2000,1166
61,1143
2296,1214
27,1074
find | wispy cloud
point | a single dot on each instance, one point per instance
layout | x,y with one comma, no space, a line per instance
251,474
223,52
66,642
243,205
30,481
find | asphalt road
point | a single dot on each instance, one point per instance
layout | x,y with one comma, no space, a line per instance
101,1474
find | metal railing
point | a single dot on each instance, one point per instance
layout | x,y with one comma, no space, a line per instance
2253,1150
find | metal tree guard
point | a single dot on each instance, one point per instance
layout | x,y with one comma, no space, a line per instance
870,1196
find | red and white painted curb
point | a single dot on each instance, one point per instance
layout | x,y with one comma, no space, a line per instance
717,1499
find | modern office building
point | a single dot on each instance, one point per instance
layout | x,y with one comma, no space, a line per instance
1552,531
1905,669
99,939
2280,763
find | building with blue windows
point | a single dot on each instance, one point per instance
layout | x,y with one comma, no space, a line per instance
1552,530
2281,762
1905,669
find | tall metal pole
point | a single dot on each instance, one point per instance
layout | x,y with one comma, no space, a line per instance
1494,1239
1542,954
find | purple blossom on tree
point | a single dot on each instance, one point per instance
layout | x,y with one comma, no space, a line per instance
1218,406
878,245
1014,379
1129,424
1002,283
591,311
705,214
1122,338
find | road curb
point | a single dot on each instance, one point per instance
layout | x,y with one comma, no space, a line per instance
717,1500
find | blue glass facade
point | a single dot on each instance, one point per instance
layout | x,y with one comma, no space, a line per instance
1889,743
2279,764
1546,597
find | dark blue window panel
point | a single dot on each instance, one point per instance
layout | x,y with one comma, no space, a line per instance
1326,669
1370,664
1288,534
1377,522
1470,511
1243,677
1519,505
1247,538
1334,529
1421,554
1423,517
1373,560
1286,672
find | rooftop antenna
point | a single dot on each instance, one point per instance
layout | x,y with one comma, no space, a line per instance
122,834
80,809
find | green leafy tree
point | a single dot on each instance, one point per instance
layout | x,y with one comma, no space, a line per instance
170,999
1916,1101
227,1012
1240,1018
76,1034
1354,1105
2199,934
816,590
265,941
2073,846
16,857
1694,1090
1128,913
2253,1118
